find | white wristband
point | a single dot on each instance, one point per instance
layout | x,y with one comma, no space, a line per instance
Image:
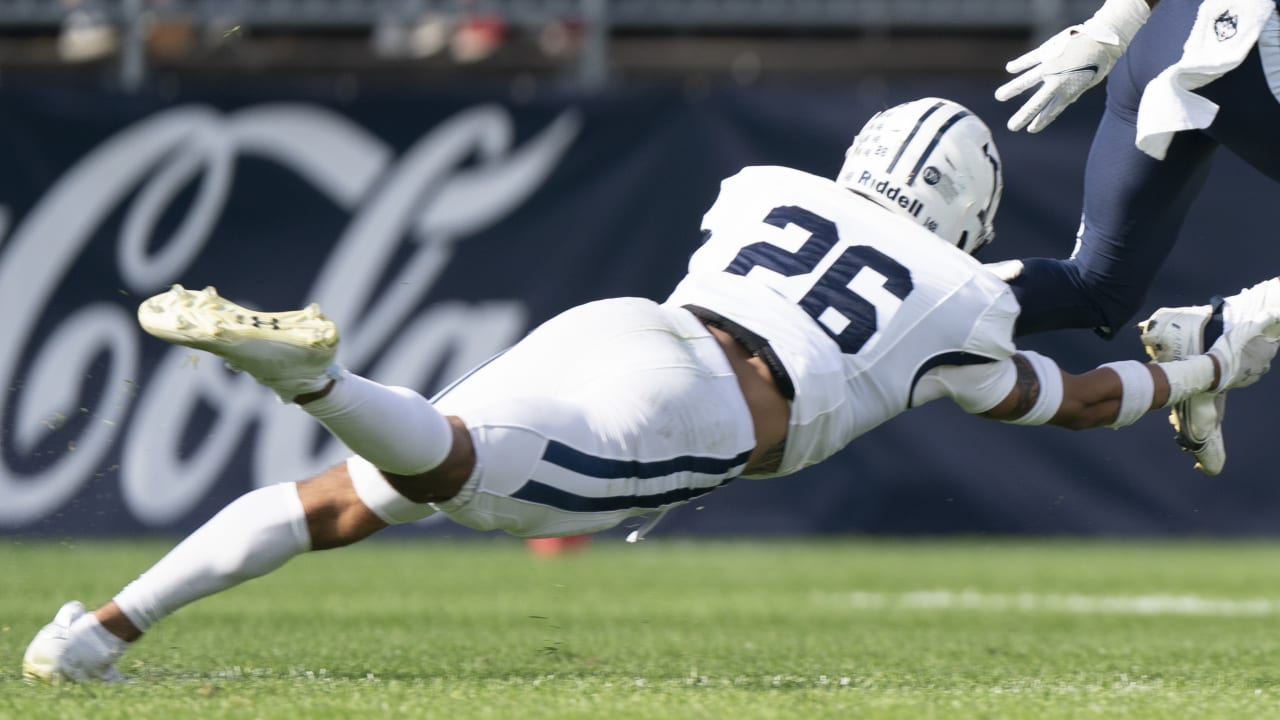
1117,21
1139,389
1188,377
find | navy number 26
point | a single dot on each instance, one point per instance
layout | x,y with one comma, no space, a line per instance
846,298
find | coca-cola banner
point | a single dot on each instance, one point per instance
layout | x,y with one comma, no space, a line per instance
438,228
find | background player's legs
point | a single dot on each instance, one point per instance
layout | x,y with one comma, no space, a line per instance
1248,109
1134,207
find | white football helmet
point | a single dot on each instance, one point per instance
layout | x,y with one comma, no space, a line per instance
933,162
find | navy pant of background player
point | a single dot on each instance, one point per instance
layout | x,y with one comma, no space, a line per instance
1134,205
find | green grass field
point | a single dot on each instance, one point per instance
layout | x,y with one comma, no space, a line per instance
683,629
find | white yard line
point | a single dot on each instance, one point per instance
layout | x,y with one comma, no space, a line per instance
1051,602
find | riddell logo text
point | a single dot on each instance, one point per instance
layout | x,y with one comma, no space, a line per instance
892,193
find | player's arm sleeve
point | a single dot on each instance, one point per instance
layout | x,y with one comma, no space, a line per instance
975,388
990,371
981,374
1034,380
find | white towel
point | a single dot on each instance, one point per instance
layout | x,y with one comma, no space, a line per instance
1220,39
1269,51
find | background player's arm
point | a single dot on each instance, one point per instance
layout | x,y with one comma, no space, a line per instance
1071,62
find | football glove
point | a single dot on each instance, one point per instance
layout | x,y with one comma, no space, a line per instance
1252,318
1244,355
1070,63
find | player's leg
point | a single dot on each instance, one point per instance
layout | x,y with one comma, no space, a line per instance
625,408
293,354
405,441
254,535
1248,100
393,430
396,430
1249,112
1134,208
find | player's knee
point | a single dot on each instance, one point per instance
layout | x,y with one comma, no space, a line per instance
1119,306
444,481
335,515
429,487
1115,303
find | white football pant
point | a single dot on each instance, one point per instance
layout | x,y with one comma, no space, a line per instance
610,410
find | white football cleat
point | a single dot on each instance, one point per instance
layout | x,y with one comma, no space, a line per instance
54,657
290,352
1176,334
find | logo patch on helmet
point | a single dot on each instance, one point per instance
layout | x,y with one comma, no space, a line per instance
943,183
945,186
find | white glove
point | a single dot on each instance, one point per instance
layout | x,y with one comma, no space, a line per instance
1244,355
1071,62
1252,316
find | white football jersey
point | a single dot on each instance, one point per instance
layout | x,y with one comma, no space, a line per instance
867,311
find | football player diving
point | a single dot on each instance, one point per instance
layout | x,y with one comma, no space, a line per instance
815,310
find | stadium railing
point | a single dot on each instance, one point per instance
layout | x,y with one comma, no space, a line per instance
593,24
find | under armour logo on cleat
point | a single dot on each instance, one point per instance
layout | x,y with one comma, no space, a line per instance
273,323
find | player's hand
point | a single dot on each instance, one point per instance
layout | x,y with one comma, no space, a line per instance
1070,63
1243,356
1067,65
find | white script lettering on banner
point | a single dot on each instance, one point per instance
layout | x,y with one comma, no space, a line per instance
407,215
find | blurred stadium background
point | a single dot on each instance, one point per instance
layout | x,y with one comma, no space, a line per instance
442,175
591,43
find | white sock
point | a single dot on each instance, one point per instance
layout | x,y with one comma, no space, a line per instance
394,428
252,536
92,644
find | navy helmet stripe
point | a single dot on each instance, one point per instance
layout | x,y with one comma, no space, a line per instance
903,147
995,168
558,453
543,494
911,179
